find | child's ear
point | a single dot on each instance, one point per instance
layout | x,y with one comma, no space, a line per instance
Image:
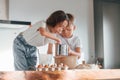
74,27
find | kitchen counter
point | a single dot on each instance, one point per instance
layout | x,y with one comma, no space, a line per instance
83,74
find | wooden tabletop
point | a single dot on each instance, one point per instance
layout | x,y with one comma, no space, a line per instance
83,74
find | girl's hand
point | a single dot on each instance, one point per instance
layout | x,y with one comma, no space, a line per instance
58,41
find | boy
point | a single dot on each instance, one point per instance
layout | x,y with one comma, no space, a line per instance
67,37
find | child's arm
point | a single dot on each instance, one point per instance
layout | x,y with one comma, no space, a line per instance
43,32
76,52
50,48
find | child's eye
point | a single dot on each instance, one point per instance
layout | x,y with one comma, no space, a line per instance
61,26
68,29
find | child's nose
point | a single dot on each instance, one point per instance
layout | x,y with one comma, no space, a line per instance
60,30
65,31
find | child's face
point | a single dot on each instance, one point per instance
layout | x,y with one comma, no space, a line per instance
68,31
59,27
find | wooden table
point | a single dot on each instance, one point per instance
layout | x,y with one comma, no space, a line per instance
82,74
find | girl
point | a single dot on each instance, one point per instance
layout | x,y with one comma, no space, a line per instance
39,34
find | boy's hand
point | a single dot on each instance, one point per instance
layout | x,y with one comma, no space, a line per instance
69,51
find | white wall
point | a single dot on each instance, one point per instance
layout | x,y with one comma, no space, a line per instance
34,10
